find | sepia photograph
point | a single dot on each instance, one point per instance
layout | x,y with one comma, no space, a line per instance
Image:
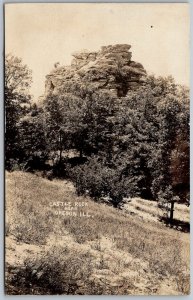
97,149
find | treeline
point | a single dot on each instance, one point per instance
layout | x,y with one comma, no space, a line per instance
129,146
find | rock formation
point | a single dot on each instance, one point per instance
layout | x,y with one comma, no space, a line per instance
110,68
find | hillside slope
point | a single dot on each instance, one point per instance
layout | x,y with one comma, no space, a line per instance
58,243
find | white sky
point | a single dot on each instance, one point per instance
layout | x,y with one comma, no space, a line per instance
42,34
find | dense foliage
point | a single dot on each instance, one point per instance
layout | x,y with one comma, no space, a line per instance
127,146
17,97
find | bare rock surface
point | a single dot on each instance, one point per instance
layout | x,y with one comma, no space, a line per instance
110,68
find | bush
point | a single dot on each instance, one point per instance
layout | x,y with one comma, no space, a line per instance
98,180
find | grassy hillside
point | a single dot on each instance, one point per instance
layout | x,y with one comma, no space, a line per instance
87,247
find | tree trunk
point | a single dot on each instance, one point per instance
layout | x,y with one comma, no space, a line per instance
60,148
60,156
171,211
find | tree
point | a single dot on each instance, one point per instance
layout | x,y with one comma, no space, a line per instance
54,118
97,179
32,137
141,140
17,97
18,77
153,135
170,156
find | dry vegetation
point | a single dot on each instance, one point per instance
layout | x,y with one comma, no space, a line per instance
111,252
149,210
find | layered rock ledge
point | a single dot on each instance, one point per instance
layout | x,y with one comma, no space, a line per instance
110,68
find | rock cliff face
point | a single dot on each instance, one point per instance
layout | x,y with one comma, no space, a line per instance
110,68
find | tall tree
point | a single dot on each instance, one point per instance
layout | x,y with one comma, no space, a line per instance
18,79
32,137
169,163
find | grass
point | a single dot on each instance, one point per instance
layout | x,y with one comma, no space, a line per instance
109,252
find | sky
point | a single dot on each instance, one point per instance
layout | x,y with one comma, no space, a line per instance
43,34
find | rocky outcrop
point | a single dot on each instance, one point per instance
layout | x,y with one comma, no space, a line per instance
110,68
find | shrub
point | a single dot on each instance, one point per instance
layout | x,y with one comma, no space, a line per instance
98,180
